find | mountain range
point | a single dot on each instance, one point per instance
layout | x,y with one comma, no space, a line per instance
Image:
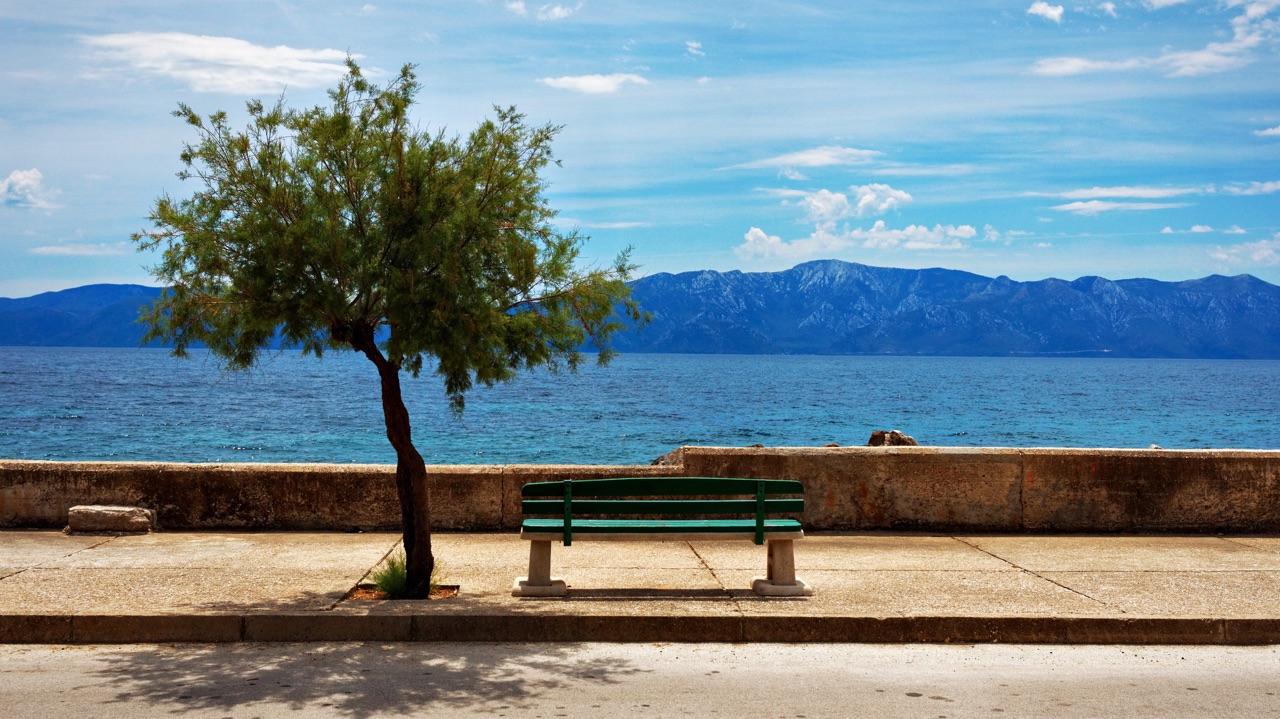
89,316
834,307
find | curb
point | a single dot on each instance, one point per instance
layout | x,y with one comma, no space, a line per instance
315,627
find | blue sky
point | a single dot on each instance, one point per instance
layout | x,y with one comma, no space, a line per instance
1031,139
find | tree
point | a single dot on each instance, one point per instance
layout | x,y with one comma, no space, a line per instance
346,227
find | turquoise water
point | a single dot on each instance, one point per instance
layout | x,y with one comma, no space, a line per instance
143,404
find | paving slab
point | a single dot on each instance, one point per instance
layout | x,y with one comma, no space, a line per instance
227,586
23,550
284,552
480,550
1127,553
858,553
79,591
921,593
1179,593
1269,544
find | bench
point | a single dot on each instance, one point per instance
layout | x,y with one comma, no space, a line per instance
658,508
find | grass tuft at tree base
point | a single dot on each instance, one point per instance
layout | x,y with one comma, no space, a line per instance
392,576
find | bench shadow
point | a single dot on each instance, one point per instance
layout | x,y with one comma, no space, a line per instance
647,593
353,679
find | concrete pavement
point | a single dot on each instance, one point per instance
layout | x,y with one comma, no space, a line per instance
220,587
401,680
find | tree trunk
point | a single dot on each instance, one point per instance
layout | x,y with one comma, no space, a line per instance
411,472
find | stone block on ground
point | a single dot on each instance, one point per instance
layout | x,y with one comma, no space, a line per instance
95,518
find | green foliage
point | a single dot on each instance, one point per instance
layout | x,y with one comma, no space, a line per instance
392,576
338,224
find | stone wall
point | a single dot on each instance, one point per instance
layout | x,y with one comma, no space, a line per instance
1018,490
276,496
847,488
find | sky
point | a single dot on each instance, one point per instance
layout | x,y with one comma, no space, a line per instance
1029,139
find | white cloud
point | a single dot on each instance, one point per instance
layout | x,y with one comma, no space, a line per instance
593,84
517,7
1158,4
1094,207
792,174
1249,30
1063,66
915,237
1108,8
1125,191
102,249
221,64
877,199
1255,188
1269,132
825,207
991,234
1204,229
1262,252
557,12
369,8
1046,11
25,188
758,244
694,48
824,156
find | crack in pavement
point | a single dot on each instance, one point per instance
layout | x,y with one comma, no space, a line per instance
58,559
1236,542
1040,576
736,606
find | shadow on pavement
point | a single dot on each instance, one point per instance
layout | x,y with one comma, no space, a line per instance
357,680
718,595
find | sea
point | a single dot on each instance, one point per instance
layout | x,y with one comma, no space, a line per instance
146,405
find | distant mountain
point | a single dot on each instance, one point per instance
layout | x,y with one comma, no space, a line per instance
833,307
89,316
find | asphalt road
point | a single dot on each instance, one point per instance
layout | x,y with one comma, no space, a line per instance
245,681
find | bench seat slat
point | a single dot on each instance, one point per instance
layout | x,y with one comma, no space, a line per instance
661,486
555,507
659,526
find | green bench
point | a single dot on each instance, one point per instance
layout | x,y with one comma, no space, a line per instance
658,508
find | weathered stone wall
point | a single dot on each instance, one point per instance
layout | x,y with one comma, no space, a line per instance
912,488
847,488
276,496
1017,490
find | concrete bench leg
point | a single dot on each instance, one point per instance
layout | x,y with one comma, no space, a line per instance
781,580
539,583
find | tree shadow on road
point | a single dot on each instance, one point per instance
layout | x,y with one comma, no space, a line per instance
354,679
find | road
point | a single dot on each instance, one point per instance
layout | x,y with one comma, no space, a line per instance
263,681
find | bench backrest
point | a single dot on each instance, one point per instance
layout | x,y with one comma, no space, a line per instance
679,496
